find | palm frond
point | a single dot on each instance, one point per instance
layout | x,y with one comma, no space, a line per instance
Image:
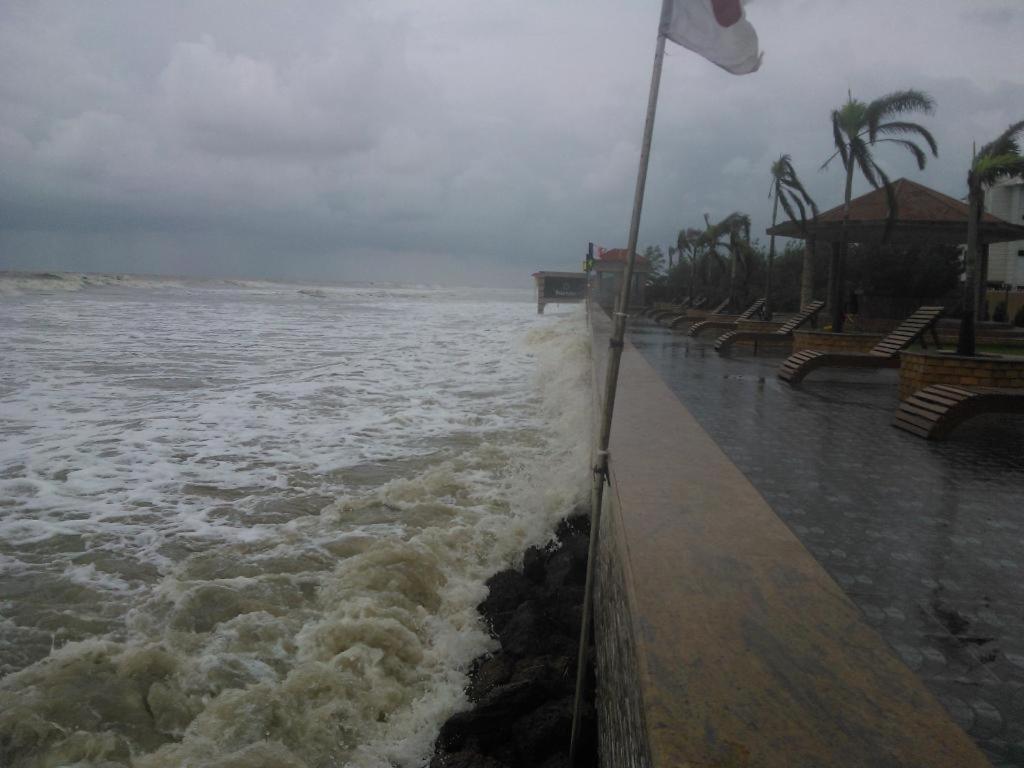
797,190
896,103
788,203
912,148
1006,143
790,192
989,169
904,128
733,222
782,166
837,136
831,157
852,116
779,171
862,157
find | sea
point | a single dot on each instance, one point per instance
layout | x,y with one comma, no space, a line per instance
247,524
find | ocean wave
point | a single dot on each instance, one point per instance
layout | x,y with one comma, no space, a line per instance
27,283
337,633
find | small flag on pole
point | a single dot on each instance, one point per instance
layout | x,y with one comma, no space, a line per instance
718,31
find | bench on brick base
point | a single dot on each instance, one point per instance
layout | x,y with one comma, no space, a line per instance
808,313
726,322
678,311
885,354
933,412
655,312
698,313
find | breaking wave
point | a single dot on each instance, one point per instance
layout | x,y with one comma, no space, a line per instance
281,603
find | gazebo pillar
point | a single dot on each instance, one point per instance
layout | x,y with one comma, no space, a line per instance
981,298
835,288
807,273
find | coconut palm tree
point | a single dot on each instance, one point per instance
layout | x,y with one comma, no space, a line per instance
999,159
708,243
856,128
687,247
738,226
735,228
787,191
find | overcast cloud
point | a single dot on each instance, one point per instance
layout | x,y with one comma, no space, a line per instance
444,141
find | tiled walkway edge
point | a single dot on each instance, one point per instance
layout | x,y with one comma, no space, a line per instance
721,641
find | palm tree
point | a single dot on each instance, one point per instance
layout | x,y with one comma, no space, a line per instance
999,159
856,128
686,246
708,243
786,190
736,227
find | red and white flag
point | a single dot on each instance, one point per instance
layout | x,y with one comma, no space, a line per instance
718,31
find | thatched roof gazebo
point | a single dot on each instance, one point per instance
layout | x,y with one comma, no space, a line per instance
923,216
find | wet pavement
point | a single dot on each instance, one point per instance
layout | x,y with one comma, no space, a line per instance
924,537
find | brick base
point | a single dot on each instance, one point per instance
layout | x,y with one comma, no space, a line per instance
835,342
919,369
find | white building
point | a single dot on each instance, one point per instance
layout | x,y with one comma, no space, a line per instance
1006,260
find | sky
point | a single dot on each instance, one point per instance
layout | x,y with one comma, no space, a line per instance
443,141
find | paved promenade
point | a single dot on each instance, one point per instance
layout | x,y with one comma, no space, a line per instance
927,539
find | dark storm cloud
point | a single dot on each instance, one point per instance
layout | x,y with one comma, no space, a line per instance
444,140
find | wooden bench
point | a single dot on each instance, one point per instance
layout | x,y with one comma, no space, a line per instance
677,320
885,354
936,410
725,322
652,310
785,331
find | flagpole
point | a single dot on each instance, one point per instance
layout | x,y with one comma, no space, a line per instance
612,377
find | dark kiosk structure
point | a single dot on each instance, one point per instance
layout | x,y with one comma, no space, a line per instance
560,288
608,271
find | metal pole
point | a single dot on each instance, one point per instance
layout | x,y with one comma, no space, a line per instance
612,378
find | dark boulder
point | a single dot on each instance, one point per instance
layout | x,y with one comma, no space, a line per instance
500,706
489,672
543,731
465,759
531,632
557,673
577,524
568,565
535,563
523,693
506,591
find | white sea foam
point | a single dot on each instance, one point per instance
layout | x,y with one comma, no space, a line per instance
249,526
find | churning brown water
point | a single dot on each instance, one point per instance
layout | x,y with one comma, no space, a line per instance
248,524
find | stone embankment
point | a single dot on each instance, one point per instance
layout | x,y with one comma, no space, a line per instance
522,694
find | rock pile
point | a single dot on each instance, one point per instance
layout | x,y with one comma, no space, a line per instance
523,693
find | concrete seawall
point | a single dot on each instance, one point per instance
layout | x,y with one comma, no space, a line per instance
720,639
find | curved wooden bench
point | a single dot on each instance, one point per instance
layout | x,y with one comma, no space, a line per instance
661,314
727,321
785,331
652,310
938,409
678,320
801,363
677,317
885,354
